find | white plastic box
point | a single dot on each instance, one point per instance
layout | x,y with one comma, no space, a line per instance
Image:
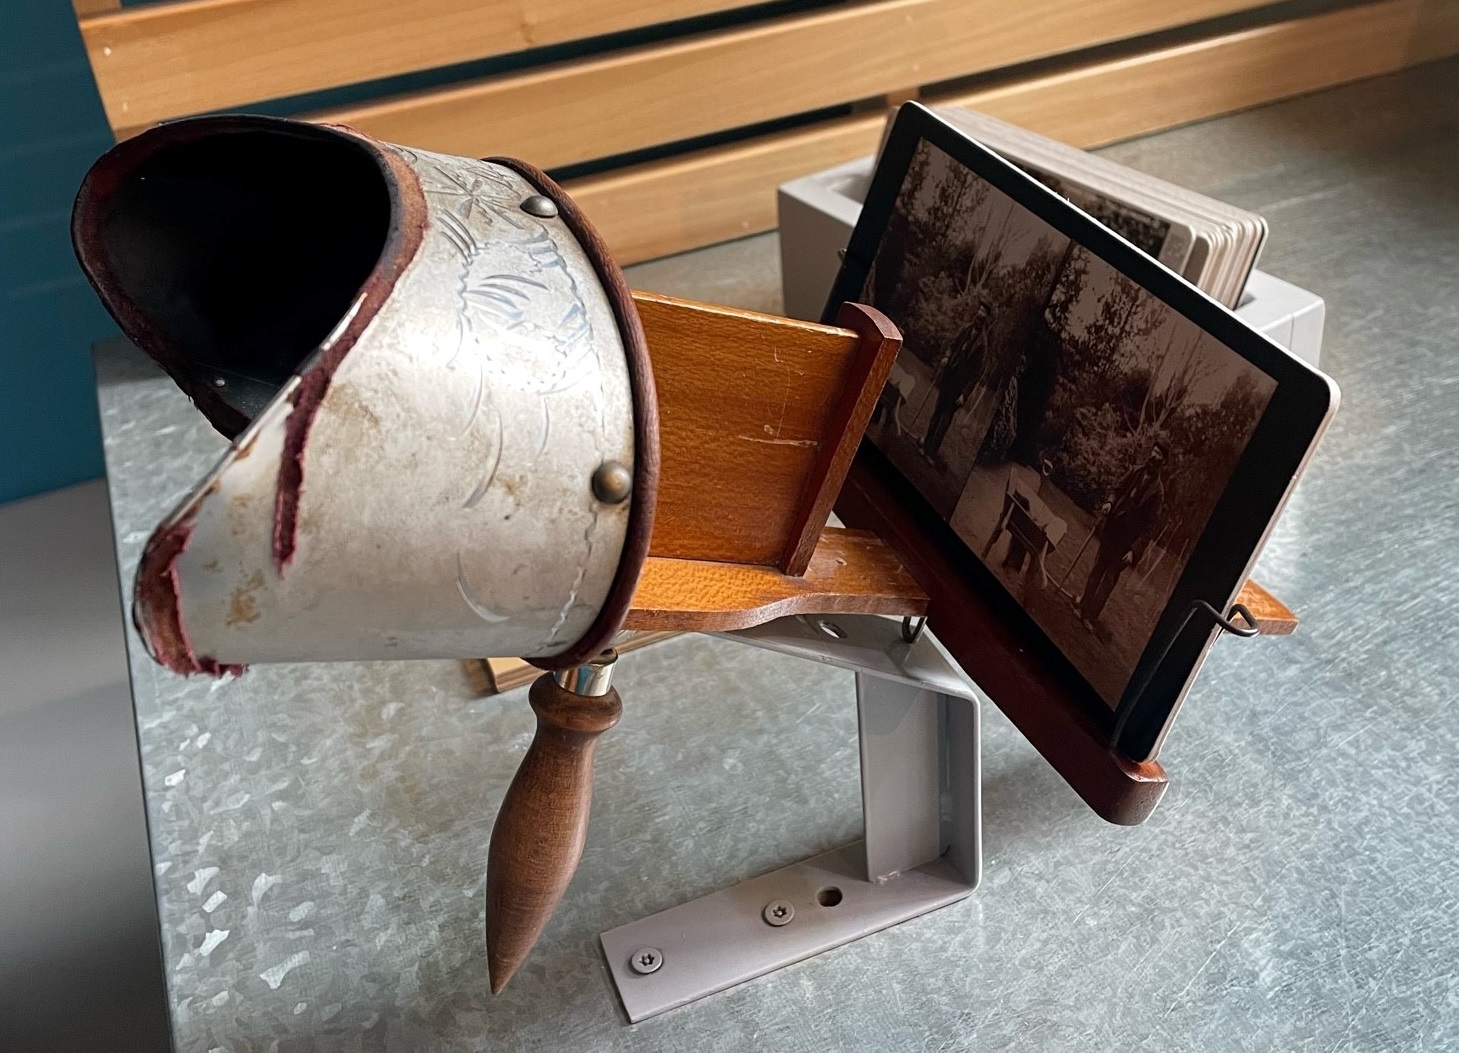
818,212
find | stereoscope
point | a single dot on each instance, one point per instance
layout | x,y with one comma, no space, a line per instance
456,433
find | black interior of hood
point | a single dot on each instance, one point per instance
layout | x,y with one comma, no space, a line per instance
243,251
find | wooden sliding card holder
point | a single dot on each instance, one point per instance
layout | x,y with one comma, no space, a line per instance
761,421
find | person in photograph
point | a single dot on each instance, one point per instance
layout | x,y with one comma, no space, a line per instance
960,374
1130,520
1004,427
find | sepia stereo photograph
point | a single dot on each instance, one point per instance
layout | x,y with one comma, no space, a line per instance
1075,431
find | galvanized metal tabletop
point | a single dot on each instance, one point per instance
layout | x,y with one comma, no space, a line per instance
319,832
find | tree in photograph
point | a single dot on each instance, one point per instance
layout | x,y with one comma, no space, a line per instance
1127,316
1096,400
918,272
978,260
954,258
1067,288
887,282
1172,376
1212,435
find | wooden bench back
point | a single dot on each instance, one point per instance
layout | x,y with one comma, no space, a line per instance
736,99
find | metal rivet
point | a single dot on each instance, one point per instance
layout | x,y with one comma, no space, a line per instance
539,205
646,960
778,912
220,382
612,483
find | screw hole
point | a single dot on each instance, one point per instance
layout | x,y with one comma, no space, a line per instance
829,897
831,629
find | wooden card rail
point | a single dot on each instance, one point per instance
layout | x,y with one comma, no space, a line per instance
851,572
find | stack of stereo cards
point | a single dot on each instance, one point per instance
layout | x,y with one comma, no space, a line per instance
1214,246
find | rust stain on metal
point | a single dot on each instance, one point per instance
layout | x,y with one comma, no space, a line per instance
242,608
345,402
239,520
513,485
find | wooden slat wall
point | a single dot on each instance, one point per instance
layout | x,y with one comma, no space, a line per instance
1117,100
168,59
647,96
713,195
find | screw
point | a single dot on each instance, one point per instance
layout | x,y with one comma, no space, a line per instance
646,960
612,483
540,206
778,912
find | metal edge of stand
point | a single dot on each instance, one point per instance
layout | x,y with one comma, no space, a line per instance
918,720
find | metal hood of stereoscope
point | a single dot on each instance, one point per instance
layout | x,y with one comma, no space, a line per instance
443,421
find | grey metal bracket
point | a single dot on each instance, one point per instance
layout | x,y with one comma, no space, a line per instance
918,719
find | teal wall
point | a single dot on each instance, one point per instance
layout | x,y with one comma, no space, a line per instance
51,129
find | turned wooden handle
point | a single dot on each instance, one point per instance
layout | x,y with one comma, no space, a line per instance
543,822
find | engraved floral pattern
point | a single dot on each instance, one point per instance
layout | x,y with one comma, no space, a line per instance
525,335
